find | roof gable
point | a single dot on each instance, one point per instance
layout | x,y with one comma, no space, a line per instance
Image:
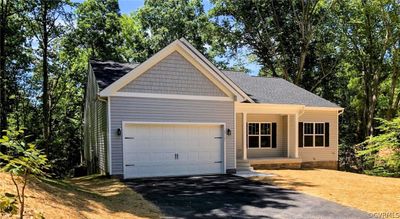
173,75
191,55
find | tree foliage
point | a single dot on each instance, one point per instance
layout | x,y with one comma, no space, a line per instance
22,161
344,51
382,152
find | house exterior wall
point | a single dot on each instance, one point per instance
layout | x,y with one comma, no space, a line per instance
168,110
173,75
326,153
95,128
279,151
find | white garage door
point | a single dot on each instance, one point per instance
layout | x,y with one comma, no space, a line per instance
172,149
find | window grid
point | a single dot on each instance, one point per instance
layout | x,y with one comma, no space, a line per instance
259,133
314,134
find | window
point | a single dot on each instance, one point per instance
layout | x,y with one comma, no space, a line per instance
314,134
260,135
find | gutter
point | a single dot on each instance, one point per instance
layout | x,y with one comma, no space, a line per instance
100,99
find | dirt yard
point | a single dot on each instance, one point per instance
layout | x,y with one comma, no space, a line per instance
368,193
84,197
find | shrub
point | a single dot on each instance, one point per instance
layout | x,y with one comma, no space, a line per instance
21,160
381,153
8,204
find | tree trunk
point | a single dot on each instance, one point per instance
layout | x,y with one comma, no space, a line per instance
45,82
393,104
3,75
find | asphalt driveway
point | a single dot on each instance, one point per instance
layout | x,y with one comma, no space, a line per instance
234,197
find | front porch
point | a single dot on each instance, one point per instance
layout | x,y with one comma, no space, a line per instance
267,135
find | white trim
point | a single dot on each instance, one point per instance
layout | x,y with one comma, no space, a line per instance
124,123
313,135
323,108
109,135
224,149
234,137
337,134
184,50
171,96
261,108
296,135
259,135
288,136
244,131
140,69
173,123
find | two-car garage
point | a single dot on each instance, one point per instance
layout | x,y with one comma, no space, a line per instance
172,149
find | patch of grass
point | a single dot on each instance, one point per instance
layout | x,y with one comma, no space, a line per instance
84,197
368,193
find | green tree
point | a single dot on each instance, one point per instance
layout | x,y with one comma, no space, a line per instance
98,29
48,24
382,152
371,30
164,21
282,34
22,161
12,64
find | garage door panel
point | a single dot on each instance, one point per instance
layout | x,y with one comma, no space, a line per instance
170,150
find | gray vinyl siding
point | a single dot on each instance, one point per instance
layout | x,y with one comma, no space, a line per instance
168,110
279,151
95,128
173,75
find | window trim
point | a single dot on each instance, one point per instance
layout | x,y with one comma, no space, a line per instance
314,135
259,135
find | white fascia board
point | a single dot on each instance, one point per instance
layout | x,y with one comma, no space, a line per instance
317,108
136,72
171,96
260,108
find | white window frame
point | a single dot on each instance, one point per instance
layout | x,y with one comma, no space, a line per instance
259,135
314,134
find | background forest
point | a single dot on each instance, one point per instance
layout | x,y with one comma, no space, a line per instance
345,51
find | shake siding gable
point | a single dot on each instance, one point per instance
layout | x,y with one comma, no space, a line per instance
173,75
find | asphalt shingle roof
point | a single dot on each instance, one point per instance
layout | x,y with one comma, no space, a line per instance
107,72
276,90
260,89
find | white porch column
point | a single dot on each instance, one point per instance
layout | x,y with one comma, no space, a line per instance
296,134
244,131
288,135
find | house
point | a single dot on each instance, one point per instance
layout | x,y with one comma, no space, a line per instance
177,114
